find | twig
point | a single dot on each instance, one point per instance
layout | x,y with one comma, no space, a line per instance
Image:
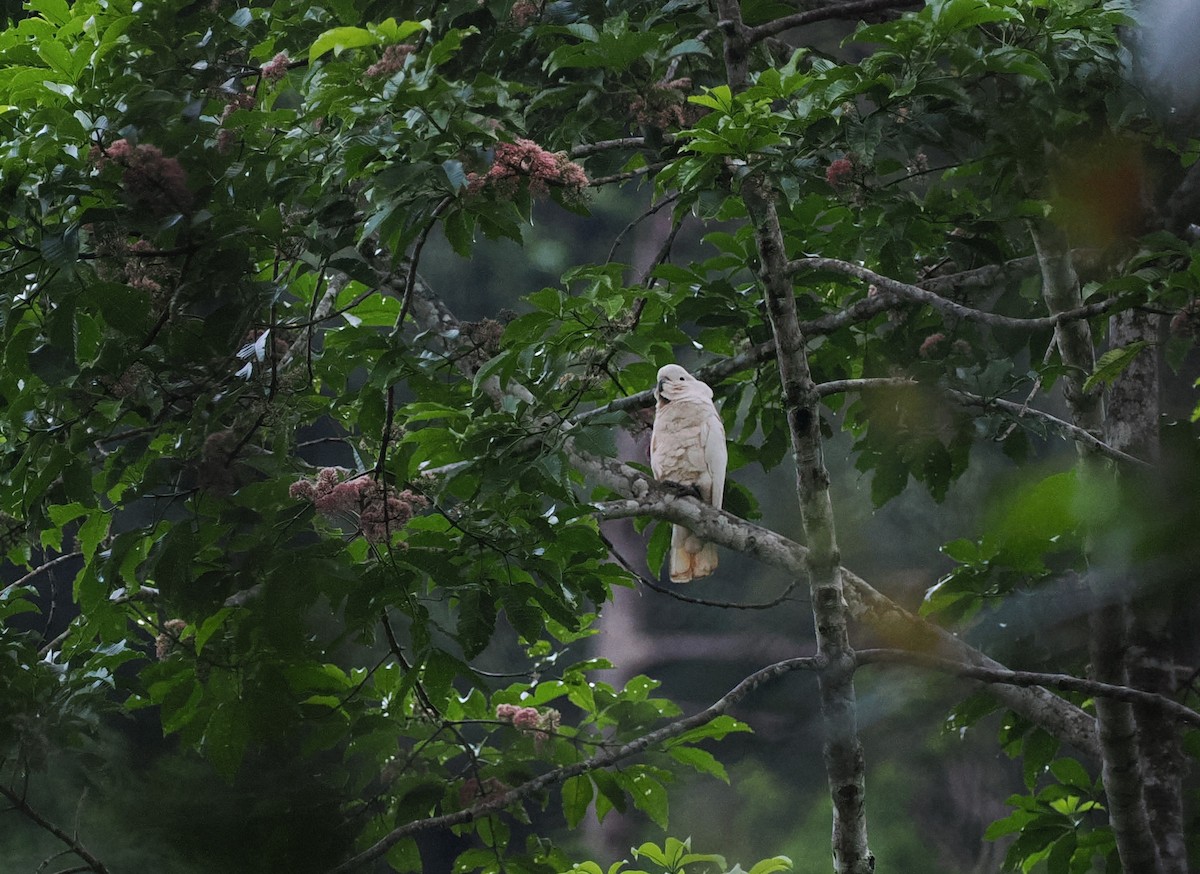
410,279
688,599
39,570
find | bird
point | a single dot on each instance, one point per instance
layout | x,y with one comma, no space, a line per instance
687,447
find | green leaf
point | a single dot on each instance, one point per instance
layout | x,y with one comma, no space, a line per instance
338,39
770,866
576,796
702,760
1113,363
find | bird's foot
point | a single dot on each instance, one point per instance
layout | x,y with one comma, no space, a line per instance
688,490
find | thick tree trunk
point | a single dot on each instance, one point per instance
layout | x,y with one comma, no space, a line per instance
1131,424
1109,621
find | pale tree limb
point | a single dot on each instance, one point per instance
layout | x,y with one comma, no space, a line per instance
1177,712
40,569
845,762
917,294
601,760
22,806
1109,619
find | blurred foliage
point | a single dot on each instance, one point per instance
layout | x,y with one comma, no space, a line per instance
211,219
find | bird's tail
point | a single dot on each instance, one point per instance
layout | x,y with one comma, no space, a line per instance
691,557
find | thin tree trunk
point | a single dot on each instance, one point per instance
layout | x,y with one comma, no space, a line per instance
845,765
1109,621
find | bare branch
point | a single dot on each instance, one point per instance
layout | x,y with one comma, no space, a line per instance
40,569
853,9
602,759
18,802
924,296
1066,682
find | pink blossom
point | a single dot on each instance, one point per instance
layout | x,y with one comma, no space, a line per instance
392,61
929,348
525,161
506,711
151,180
380,508
839,171
523,12
276,68
527,719
664,105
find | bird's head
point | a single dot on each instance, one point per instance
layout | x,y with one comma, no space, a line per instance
675,383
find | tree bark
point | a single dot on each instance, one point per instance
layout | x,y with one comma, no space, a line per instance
845,764
1131,424
1109,619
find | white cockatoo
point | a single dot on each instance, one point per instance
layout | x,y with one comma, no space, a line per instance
688,448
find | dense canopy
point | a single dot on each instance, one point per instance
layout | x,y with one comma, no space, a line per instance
327,340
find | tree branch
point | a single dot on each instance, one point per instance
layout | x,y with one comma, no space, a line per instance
1168,706
917,294
22,806
600,760
854,9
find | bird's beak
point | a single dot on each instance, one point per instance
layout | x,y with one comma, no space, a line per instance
658,393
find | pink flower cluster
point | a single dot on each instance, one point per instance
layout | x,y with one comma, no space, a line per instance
168,640
530,720
226,137
664,105
931,345
839,171
151,180
276,68
392,61
524,160
523,12
381,510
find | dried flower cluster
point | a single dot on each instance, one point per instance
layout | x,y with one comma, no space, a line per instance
168,639
276,68
216,472
664,105
530,720
392,61
525,161
381,509
932,345
151,181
